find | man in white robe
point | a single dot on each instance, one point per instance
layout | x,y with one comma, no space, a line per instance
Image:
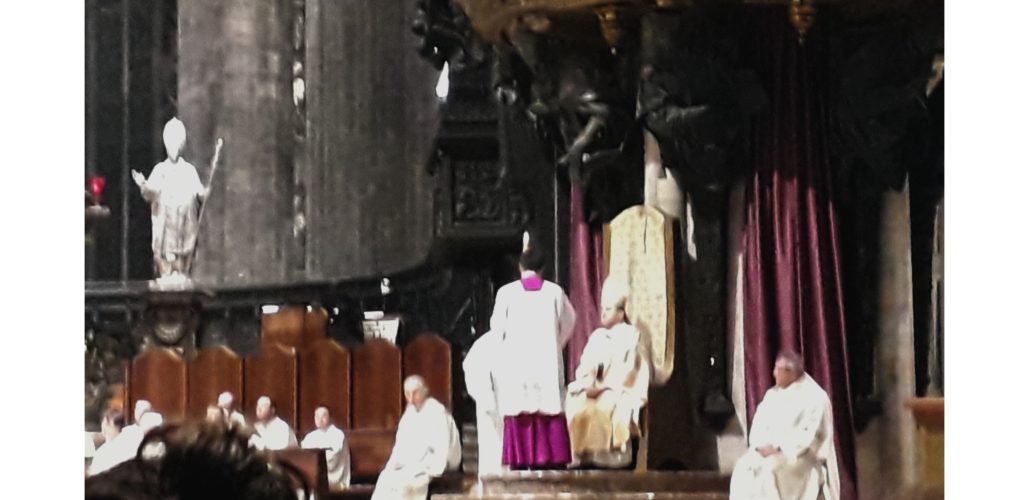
478,368
90,448
124,446
233,418
110,428
424,446
271,433
215,416
332,440
604,402
792,454
141,408
535,320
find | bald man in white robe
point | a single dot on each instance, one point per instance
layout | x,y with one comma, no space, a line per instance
226,404
272,433
425,446
335,445
792,454
141,408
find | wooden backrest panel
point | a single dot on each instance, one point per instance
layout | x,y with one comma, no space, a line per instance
284,327
430,357
376,385
295,326
314,326
312,464
370,449
158,375
324,380
212,372
272,372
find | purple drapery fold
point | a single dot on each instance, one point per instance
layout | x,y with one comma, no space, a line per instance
793,295
536,440
586,274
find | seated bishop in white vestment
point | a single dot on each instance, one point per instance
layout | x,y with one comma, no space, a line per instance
332,440
426,444
792,454
271,433
604,402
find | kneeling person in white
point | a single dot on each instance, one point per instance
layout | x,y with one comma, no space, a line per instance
272,433
479,370
426,444
792,455
332,440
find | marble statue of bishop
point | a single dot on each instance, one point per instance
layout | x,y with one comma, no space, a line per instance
174,193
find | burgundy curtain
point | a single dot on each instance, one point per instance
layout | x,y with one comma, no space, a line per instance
792,297
586,274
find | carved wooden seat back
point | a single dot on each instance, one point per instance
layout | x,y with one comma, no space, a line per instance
370,450
212,372
294,326
430,357
273,373
284,327
376,405
324,380
311,464
376,385
158,376
314,326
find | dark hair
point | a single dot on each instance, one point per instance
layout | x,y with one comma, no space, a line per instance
115,417
794,360
132,480
199,461
532,259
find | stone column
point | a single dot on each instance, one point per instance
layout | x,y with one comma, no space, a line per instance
372,119
886,454
234,82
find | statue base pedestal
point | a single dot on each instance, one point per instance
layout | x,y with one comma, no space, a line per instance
174,282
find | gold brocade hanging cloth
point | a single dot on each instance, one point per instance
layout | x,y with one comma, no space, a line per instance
639,253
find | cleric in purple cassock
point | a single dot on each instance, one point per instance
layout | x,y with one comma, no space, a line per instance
534,319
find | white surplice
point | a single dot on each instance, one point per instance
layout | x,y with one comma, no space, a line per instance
273,435
423,446
235,419
119,449
478,368
90,445
601,427
796,419
534,326
332,440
